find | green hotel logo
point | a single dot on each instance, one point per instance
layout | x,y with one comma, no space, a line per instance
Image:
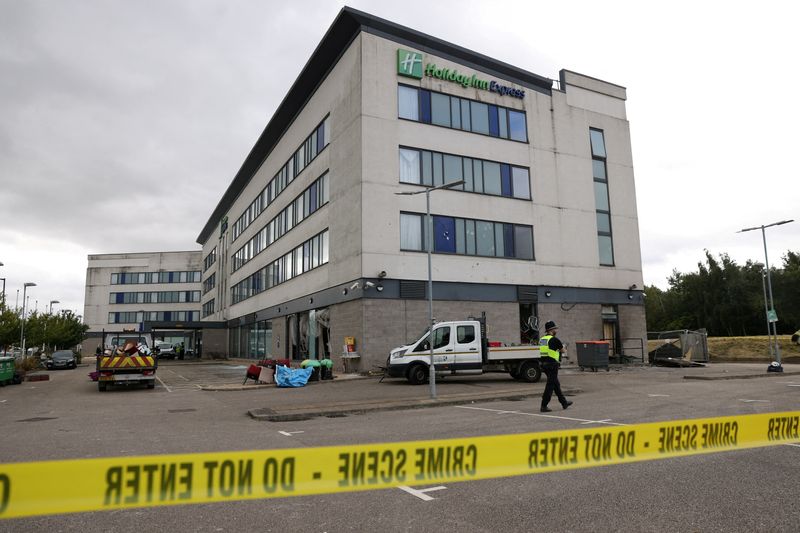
409,63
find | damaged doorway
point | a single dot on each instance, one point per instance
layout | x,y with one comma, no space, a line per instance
308,335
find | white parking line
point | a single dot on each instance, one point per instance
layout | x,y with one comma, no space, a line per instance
753,401
163,384
659,395
795,445
582,420
420,493
290,433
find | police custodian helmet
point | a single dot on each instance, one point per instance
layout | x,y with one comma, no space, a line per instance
550,325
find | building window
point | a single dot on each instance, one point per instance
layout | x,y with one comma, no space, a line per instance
422,105
155,297
605,242
141,278
313,198
210,259
135,317
425,167
208,308
308,256
411,236
210,283
302,157
452,235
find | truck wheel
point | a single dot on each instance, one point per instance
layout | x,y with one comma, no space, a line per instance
417,374
530,372
101,387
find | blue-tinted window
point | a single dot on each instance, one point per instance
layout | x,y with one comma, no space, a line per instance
508,240
313,194
468,237
425,106
494,126
444,234
460,113
505,179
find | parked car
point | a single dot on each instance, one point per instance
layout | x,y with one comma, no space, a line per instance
165,350
62,359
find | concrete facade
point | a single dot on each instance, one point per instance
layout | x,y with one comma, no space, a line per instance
103,279
356,94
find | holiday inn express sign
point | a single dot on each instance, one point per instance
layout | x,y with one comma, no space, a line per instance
409,64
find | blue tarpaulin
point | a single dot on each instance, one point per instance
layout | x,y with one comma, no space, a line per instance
291,377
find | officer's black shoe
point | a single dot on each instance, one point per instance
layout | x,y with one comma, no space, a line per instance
545,409
566,404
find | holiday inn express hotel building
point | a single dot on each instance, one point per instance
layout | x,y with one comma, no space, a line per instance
311,242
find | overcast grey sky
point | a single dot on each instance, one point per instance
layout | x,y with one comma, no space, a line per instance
123,122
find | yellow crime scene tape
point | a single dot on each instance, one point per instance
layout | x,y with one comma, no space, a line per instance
56,487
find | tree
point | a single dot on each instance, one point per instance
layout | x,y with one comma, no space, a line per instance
9,328
65,330
725,298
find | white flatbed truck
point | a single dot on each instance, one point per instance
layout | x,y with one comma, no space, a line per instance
461,348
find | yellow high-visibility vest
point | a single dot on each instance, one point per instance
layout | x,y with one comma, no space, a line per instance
544,348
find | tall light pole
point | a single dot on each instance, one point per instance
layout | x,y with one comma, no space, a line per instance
4,287
429,232
772,316
22,329
51,305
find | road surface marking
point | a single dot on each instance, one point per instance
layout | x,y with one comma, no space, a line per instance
583,420
290,433
163,384
753,401
420,493
659,395
795,445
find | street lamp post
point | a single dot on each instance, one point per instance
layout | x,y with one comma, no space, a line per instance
772,316
22,329
4,287
766,312
429,232
51,305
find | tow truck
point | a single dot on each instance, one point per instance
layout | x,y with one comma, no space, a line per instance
462,348
126,360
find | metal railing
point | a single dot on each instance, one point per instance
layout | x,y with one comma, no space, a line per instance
626,350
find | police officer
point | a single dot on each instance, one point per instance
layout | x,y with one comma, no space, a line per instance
550,350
